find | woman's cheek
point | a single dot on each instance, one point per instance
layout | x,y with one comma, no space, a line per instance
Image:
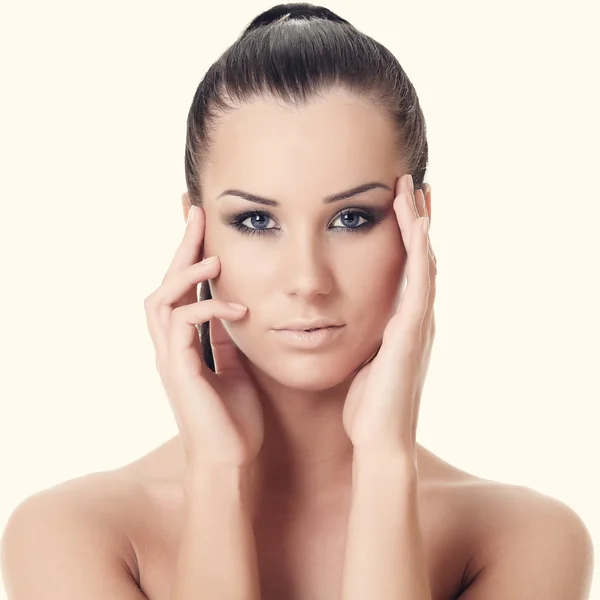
240,278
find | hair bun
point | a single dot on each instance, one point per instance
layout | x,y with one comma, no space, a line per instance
296,11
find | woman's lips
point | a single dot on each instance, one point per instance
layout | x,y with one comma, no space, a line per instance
309,339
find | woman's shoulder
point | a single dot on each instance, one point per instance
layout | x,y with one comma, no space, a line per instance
490,523
508,525
499,525
88,515
100,497
495,508
115,509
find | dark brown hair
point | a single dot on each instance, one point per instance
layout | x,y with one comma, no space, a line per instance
278,57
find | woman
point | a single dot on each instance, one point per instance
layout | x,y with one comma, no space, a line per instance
296,473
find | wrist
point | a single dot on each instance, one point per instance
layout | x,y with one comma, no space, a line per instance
217,480
376,466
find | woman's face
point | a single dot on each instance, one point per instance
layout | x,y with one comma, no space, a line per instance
305,258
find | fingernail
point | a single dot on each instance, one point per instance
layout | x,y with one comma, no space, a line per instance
411,184
237,306
191,213
208,260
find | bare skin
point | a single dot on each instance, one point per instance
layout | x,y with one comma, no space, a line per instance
133,517
120,530
300,544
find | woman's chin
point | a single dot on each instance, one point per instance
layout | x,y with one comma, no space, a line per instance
307,369
311,372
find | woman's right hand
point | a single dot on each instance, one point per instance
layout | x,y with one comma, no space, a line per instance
219,415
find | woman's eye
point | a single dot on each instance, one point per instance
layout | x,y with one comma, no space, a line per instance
351,219
255,222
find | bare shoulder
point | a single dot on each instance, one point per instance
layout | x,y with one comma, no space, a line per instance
526,544
76,529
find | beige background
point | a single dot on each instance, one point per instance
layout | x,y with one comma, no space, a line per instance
94,102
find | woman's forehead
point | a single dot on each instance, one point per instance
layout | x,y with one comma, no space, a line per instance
329,138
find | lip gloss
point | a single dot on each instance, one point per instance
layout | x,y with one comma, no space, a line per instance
309,339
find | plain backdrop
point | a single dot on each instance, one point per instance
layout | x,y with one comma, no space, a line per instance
94,102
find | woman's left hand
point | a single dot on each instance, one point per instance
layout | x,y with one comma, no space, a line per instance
382,405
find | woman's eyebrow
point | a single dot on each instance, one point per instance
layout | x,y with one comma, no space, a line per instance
333,198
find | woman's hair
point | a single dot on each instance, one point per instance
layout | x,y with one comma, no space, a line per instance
293,53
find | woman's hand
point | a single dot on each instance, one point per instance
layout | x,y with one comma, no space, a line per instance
382,404
219,415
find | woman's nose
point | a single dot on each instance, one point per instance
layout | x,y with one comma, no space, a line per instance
305,270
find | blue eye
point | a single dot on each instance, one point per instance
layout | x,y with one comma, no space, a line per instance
350,217
257,218
354,217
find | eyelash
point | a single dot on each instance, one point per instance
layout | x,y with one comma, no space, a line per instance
372,219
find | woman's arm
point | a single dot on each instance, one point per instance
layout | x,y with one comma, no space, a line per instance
384,555
543,551
217,552
57,545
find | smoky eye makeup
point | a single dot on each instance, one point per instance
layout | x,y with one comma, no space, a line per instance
353,220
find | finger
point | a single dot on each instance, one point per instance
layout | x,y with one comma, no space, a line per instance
404,186
412,307
179,283
405,208
420,201
175,287
190,248
432,269
182,353
225,352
